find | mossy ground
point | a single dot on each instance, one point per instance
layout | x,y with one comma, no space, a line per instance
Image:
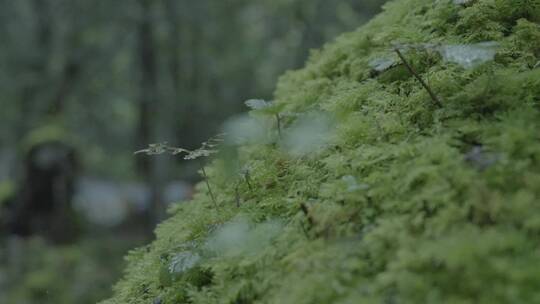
437,220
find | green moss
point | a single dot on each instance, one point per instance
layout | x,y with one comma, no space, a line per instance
408,202
7,190
53,131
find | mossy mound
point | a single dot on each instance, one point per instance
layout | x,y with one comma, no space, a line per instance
408,203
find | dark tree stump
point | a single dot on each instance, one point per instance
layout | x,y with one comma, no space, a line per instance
42,205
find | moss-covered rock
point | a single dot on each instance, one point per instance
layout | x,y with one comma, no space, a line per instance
407,202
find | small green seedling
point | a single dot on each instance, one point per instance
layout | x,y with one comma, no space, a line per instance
207,149
268,108
245,172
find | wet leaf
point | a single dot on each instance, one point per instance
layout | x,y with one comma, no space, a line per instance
264,107
382,64
244,129
183,261
469,55
308,134
352,184
258,104
481,159
461,2
241,237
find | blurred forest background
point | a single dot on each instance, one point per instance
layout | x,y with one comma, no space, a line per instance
84,84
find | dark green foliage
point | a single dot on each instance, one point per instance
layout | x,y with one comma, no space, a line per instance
408,202
41,273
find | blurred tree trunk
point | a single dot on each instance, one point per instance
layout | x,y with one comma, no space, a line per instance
186,49
174,46
148,106
70,73
311,37
38,64
180,104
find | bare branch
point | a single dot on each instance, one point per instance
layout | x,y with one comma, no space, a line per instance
424,84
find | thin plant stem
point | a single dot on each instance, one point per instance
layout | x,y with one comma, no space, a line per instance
305,210
237,197
248,180
434,97
278,120
209,188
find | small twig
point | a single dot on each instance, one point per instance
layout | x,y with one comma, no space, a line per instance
305,210
237,196
278,120
209,188
424,84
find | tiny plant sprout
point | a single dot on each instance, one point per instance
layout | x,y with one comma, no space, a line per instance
247,176
268,108
208,148
155,149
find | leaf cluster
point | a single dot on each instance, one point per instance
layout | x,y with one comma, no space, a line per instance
208,148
